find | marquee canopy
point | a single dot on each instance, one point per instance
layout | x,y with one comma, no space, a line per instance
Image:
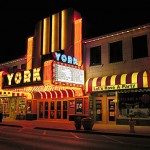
56,94
120,81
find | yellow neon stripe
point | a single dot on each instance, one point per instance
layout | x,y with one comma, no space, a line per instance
123,79
63,29
94,81
134,77
86,85
55,32
78,41
103,81
113,79
145,79
46,35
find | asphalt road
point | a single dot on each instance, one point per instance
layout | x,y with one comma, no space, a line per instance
14,138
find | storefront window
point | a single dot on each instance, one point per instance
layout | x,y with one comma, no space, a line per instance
79,105
111,110
28,107
58,109
46,110
65,109
52,110
136,105
41,110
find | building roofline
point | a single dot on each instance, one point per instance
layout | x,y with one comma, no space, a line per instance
14,60
116,33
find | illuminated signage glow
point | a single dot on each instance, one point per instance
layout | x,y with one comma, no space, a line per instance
67,74
115,87
23,77
65,59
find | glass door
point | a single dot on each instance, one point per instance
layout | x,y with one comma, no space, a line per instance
46,110
98,110
41,110
58,110
52,110
111,110
65,107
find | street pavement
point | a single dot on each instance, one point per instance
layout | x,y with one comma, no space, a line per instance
68,126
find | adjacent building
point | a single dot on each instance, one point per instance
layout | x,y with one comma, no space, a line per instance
117,75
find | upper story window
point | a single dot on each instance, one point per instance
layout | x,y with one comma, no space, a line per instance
10,69
15,69
23,66
95,56
115,52
140,48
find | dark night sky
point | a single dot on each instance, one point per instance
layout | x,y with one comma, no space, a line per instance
18,19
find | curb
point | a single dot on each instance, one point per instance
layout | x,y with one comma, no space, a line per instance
10,125
96,132
84,131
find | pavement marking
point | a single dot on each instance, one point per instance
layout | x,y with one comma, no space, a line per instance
44,132
74,135
112,139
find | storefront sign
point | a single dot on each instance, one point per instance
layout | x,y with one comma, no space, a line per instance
115,87
65,59
23,77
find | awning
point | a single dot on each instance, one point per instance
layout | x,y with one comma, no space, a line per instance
4,93
56,94
119,82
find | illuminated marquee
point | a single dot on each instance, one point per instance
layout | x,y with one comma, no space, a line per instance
68,75
23,77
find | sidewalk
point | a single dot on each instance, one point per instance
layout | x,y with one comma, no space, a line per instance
68,126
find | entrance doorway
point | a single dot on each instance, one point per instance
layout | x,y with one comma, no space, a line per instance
98,110
4,107
111,105
53,109
58,109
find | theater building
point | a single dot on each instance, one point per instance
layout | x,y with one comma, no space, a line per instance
118,76
48,82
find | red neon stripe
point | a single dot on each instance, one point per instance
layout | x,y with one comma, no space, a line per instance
90,85
128,78
148,78
48,94
70,93
58,94
44,95
118,79
108,80
64,93
53,94
99,81
140,79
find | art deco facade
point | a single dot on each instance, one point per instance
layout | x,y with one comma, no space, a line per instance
50,86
